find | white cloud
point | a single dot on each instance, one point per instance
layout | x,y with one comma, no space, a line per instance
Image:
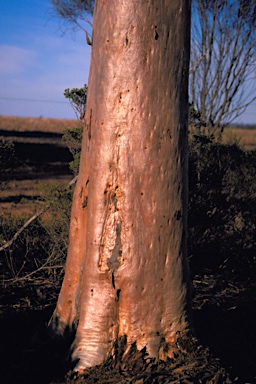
15,59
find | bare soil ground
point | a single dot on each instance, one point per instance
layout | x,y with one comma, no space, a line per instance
224,310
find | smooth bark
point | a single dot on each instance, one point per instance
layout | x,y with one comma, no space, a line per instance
126,273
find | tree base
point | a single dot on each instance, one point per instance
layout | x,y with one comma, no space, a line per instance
192,364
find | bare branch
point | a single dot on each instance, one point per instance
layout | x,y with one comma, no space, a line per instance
222,60
74,12
30,220
27,276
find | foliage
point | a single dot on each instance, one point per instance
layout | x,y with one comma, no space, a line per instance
73,136
77,98
222,197
7,162
73,139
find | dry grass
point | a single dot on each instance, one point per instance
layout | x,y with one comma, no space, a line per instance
244,136
21,124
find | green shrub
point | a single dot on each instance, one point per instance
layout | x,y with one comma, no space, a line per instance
73,139
73,136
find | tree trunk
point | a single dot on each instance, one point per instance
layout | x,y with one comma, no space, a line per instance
126,272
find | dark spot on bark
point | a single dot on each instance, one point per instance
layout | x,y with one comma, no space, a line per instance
156,34
89,126
87,181
113,280
126,40
85,203
159,239
177,215
118,294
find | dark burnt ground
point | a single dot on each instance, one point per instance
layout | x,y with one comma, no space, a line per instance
42,158
39,154
224,316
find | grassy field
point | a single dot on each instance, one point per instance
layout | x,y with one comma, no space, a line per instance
245,136
22,124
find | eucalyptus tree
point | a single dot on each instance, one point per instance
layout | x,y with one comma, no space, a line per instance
127,274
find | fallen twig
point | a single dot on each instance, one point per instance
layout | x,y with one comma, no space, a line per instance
26,277
30,220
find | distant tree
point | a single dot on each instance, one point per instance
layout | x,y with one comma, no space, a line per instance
222,72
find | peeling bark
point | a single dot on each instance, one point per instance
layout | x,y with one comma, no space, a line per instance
127,274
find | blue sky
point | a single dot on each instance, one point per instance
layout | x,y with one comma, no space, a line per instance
38,61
